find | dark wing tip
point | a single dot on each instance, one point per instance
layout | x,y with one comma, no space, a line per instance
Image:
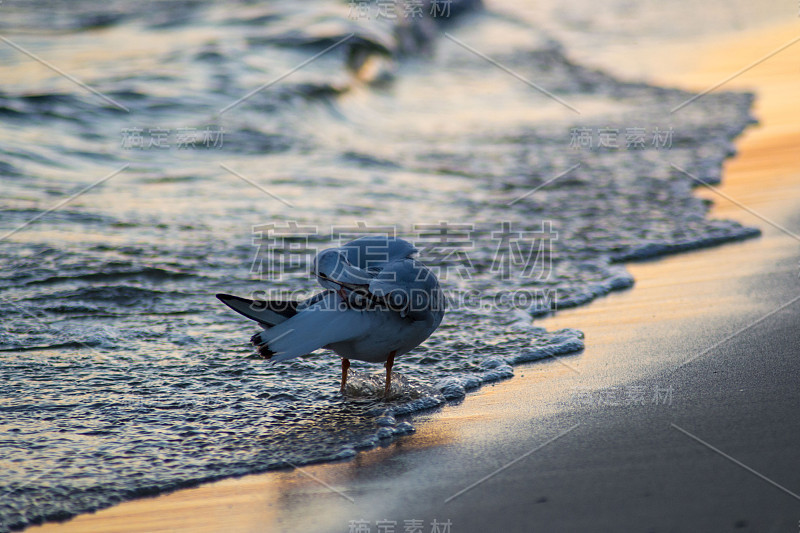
227,298
261,348
265,352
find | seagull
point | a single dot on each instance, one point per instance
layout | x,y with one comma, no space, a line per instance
379,302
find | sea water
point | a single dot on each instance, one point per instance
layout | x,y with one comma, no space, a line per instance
199,147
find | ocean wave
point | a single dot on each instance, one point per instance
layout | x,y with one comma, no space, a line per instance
109,275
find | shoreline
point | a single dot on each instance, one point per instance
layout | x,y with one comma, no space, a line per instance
412,477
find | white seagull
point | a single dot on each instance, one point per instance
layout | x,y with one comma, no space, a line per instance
379,303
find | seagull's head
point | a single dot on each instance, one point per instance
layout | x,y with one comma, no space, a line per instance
334,271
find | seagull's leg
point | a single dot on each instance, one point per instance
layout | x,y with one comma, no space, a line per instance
345,368
388,365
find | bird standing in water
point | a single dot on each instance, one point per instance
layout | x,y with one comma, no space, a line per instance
379,303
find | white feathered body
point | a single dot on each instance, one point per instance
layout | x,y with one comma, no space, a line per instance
379,302
363,335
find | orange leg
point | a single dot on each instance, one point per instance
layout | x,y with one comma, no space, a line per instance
388,365
345,368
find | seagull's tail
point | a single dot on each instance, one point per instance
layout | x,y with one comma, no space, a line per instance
266,313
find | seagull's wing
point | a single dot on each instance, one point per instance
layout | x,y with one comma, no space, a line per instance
357,262
268,313
331,267
326,322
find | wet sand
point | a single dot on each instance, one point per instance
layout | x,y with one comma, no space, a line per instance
627,415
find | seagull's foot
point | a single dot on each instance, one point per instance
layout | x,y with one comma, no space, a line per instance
392,390
345,371
388,364
352,389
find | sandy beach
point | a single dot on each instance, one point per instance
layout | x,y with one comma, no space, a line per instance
680,414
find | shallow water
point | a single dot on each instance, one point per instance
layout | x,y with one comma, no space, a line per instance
121,373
